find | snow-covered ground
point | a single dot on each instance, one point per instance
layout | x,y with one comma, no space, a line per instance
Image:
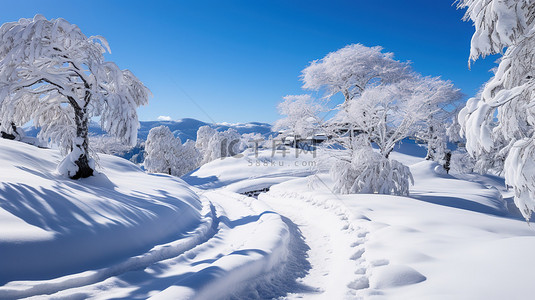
124,234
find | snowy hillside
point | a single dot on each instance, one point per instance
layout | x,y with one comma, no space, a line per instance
53,226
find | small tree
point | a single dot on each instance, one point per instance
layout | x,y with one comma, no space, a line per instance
165,153
442,101
55,76
162,151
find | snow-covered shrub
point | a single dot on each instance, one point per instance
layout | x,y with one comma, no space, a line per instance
54,75
225,144
370,172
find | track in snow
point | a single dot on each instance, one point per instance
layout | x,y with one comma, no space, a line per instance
336,246
242,252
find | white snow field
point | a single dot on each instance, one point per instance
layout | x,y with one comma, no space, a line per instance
124,234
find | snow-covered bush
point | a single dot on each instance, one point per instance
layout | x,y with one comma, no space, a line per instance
504,24
55,76
224,144
370,172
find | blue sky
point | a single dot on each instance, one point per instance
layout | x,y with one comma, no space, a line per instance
233,61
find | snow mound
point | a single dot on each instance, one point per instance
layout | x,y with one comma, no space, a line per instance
51,226
249,165
395,275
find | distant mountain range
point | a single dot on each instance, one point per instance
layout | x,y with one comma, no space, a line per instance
185,129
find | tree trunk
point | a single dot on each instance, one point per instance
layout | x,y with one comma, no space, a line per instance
81,144
430,145
10,136
447,162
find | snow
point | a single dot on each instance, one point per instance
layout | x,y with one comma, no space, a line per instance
53,226
451,238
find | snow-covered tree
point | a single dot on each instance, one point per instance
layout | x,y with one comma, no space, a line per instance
510,25
224,144
213,144
55,76
353,69
442,102
165,153
13,132
162,151
302,116
385,115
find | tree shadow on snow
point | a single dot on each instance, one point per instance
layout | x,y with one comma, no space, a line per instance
84,233
202,182
456,202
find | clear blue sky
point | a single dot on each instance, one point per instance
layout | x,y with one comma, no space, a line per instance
233,61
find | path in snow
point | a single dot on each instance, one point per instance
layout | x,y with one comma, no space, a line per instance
333,241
